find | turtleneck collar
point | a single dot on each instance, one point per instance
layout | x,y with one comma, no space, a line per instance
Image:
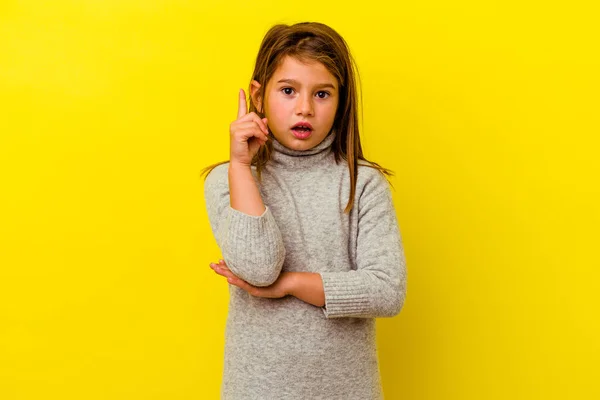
290,158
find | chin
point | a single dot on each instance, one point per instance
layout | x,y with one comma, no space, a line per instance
301,144
292,142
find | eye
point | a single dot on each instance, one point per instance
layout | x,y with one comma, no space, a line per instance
285,90
324,92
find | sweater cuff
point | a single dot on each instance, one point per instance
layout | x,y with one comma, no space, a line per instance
346,294
248,232
239,218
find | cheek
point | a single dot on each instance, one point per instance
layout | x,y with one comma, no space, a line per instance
331,110
277,112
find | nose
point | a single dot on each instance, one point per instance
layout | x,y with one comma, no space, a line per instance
304,106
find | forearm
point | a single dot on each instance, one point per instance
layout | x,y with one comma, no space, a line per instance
251,245
244,195
308,287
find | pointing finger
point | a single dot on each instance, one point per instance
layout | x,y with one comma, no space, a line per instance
242,107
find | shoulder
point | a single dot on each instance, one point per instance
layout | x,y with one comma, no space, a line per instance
217,174
372,187
370,180
218,177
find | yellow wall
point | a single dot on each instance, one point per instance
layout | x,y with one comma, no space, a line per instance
487,111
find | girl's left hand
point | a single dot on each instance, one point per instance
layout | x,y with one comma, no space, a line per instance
275,291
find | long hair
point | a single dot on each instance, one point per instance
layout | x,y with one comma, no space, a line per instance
314,41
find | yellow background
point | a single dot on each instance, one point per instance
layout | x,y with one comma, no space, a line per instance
488,112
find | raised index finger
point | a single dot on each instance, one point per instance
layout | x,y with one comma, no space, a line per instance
242,107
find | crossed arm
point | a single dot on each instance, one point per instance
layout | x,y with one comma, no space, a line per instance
253,247
245,198
306,286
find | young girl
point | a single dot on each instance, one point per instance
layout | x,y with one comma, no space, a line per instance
309,235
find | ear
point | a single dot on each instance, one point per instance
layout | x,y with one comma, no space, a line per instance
256,100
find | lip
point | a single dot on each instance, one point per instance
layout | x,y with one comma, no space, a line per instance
301,135
304,125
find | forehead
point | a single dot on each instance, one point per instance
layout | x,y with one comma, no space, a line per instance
309,73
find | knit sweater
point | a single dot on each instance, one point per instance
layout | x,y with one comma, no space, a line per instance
285,348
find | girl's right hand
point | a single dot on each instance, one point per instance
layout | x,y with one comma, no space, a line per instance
247,133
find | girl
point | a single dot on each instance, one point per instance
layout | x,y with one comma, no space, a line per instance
309,236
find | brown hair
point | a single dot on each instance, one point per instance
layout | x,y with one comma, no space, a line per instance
314,41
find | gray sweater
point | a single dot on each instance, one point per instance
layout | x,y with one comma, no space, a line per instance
285,348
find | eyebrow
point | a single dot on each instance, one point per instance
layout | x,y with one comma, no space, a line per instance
295,82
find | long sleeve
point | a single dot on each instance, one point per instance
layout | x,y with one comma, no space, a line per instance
377,287
252,246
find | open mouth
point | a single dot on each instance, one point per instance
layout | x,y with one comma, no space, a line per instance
301,132
301,129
